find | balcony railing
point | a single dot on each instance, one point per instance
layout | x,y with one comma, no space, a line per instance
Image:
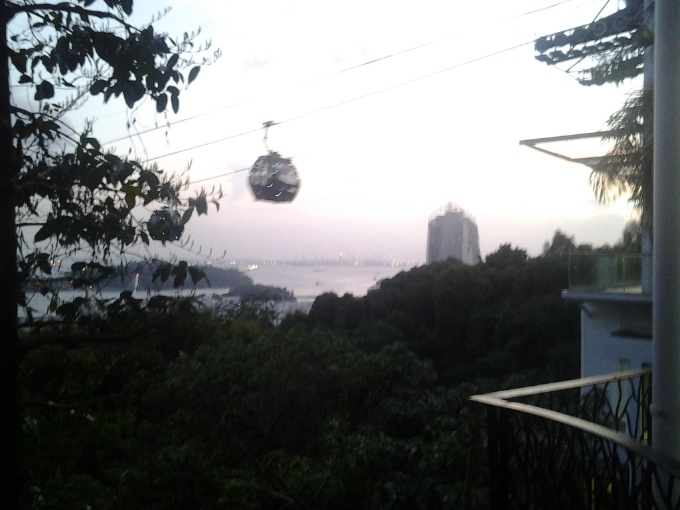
606,272
582,444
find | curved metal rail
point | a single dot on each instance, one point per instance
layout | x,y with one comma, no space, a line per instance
580,444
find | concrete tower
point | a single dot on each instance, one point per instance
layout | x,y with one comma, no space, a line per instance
451,232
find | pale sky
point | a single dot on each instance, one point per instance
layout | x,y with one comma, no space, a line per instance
430,118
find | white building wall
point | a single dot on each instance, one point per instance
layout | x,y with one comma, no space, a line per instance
615,336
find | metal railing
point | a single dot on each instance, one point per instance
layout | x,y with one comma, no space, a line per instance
581,444
610,272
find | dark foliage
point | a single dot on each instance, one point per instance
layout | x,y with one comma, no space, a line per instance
363,403
491,320
250,418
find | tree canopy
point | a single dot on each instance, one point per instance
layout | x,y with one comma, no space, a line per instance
363,403
61,194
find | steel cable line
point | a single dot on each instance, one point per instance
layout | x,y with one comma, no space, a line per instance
342,103
540,9
232,172
568,70
221,175
336,73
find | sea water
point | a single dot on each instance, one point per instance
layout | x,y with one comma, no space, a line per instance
306,282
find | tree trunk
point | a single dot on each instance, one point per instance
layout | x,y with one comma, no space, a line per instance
10,488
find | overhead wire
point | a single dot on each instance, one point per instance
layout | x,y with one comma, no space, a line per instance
337,104
336,73
319,110
568,70
353,99
347,101
246,101
541,9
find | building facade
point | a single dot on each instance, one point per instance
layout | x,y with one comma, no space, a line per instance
452,233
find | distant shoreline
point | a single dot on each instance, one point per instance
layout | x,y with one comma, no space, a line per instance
245,262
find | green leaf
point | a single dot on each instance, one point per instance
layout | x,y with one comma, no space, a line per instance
131,194
163,272
92,142
201,205
161,103
194,73
19,61
197,274
44,91
133,92
98,87
130,200
174,97
187,215
43,260
180,272
42,234
150,178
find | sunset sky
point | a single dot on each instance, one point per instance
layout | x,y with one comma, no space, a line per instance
389,109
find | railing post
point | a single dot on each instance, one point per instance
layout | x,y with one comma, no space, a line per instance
499,459
666,268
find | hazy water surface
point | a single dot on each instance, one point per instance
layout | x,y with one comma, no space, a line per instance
308,282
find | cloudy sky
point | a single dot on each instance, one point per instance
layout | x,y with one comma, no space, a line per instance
389,109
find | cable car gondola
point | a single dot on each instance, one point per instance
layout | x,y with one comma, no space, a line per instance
274,178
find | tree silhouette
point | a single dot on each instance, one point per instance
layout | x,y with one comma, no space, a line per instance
75,197
621,171
560,247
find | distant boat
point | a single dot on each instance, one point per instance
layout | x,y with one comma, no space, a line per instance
252,267
318,269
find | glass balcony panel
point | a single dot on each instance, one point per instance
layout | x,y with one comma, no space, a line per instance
605,272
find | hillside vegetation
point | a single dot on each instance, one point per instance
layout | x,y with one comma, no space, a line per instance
362,403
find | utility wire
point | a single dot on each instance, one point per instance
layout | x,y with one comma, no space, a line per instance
221,175
351,100
541,9
205,144
336,73
568,71
477,59
246,101
407,82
